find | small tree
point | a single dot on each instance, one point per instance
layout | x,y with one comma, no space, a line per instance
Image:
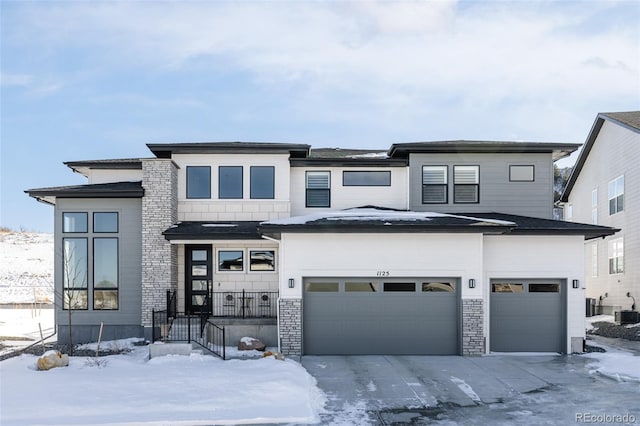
74,285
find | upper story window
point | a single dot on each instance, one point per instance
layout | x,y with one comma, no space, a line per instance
366,178
318,189
521,173
594,206
105,222
434,185
616,195
466,184
75,222
198,182
262,182
594,259
230,182
616,256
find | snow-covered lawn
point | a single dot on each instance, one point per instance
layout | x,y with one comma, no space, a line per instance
177,390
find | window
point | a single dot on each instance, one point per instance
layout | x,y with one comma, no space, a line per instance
434,286
434,185
366,178
616,195
594,206
230,260
74,273
521,173
361,287
262,260
105,222
262,182
507,288
74,222
466,184
321,287
105,273
616,256
198,182
594,260
230,182
544,288
399,287
318,189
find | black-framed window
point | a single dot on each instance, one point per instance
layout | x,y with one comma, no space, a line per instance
318,189
230,182
74,273
466,184
105,222
434,185
77,222
616,256
404,287
262,181
262,260
105,273
366,178
616,195
230,260
522,173
198,182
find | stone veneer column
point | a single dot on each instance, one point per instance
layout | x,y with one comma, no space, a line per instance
159,212
472,327
290,323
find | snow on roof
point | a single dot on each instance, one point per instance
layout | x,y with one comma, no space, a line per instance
370,155
374,214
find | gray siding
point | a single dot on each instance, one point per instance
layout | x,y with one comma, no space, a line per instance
129,260
497,193
616,152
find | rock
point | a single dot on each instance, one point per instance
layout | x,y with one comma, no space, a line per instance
251,344
276,355
52,359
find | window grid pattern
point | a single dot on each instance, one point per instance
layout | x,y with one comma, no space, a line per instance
616,195
434,185
616,256
466,184
318,189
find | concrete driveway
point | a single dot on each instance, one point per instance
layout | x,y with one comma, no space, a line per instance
448,390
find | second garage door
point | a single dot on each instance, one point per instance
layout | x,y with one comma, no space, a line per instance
360,316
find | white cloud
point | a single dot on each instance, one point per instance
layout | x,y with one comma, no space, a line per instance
20,80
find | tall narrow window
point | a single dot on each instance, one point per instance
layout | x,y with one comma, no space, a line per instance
105,273
74,273
594,260
466,184
230,182
262,182
198,182
318,189
616,195
616,256
594,206
434,185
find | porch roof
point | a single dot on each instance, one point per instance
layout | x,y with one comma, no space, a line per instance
213,230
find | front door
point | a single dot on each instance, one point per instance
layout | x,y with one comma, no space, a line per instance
198,279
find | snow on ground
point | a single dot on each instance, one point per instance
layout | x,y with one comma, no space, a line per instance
598,318
26,267
178,390
617,363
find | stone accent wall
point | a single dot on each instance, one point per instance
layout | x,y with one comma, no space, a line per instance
290,321
159,211
472,327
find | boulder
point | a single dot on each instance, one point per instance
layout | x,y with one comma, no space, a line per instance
52,359
276,355
251,344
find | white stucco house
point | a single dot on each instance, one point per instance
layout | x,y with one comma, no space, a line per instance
604,189
444,247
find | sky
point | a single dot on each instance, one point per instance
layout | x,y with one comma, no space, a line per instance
95,80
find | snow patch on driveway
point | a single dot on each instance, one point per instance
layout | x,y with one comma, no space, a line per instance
464,387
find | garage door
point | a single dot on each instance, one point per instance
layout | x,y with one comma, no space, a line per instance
527,316
356,316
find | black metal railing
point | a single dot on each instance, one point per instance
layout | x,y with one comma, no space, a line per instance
172,304
244,304
213,339
189,328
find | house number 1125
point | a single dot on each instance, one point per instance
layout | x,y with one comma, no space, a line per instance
382,273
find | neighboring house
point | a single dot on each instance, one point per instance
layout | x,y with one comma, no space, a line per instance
427,248
604,189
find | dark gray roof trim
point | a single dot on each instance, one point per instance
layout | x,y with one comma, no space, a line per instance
111,164
162,150
99,190
213,230
616,117
557,149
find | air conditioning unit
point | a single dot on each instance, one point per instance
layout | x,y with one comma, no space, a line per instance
627,317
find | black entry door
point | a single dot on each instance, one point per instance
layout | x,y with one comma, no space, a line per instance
198,279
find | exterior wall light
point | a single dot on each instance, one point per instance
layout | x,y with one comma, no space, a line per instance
472,283
291,283
576,284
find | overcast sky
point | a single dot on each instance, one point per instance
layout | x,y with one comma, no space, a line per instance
84,81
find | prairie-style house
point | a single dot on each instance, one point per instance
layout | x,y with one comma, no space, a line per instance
443,247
